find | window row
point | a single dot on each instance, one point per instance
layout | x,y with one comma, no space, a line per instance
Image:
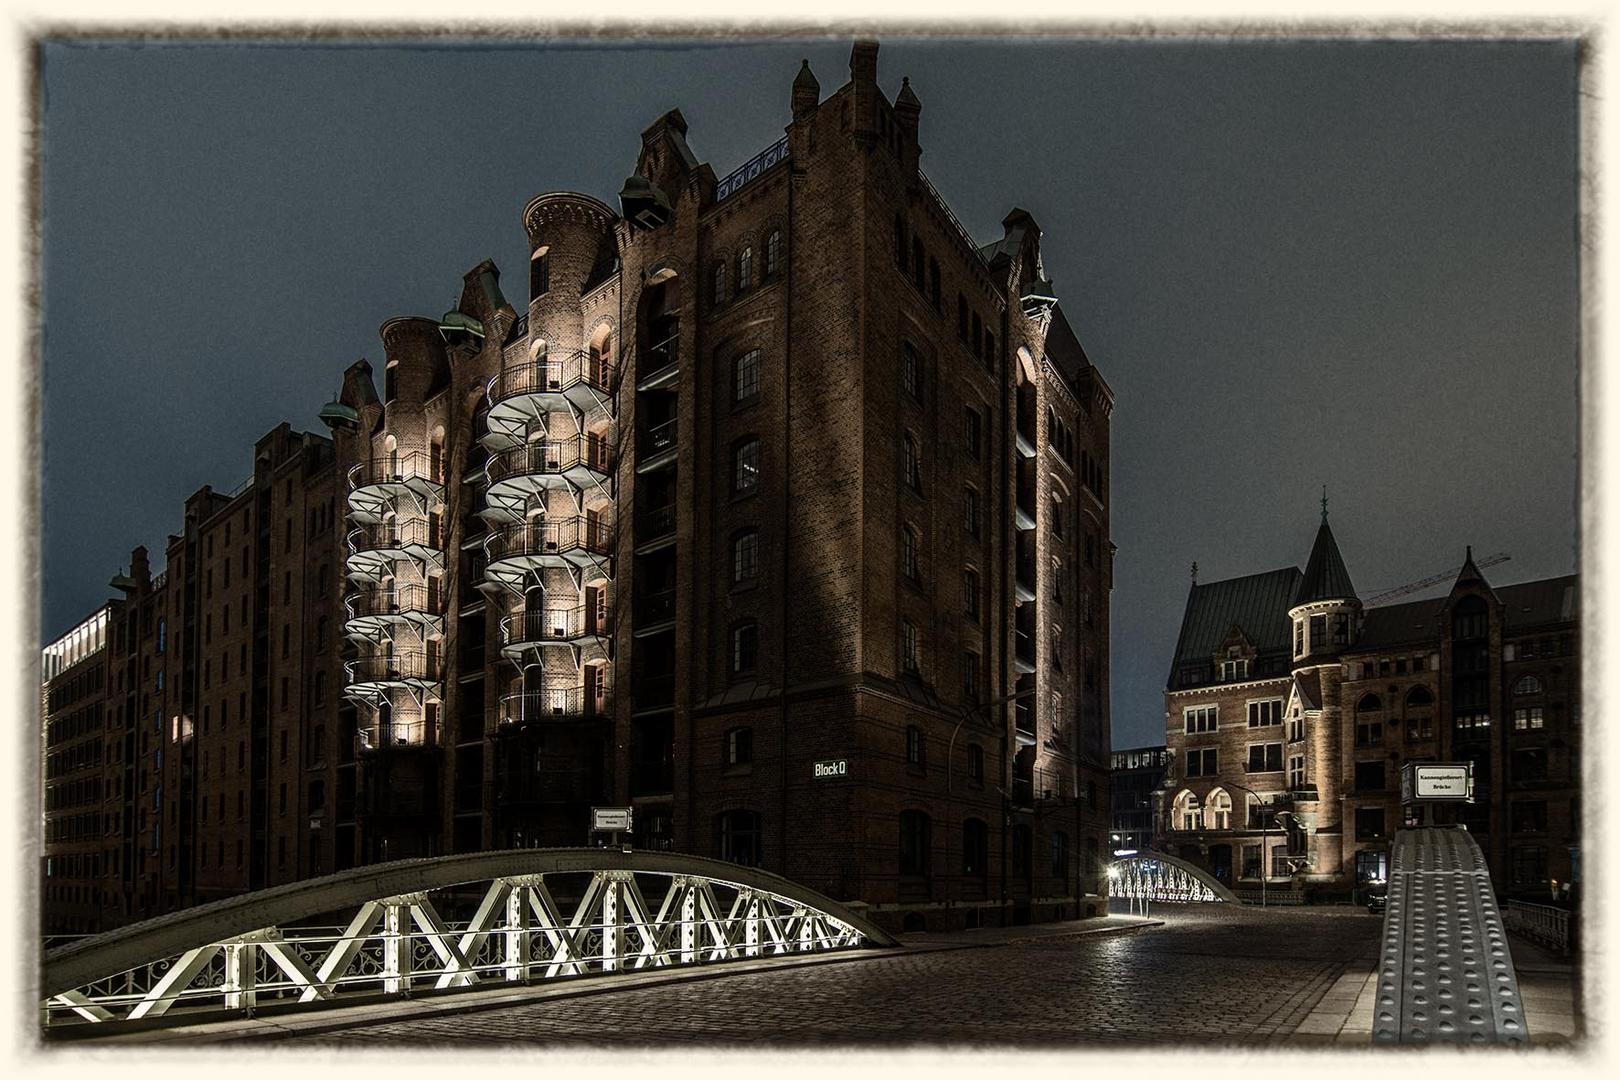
749,271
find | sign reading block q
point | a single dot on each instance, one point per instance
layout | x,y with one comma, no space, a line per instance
826,769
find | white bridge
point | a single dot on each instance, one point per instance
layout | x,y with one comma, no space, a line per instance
1153,876
460,922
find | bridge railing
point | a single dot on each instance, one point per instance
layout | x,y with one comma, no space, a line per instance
1539,922
526,916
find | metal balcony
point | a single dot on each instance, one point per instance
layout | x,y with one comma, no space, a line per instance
567,543
374,677
656,448
377,613
1023,653
529,391
654,611
374,549
660,364
1023,516
516,474
654,523
391,735
516,712
377,486
1024,582
577,627
1024,441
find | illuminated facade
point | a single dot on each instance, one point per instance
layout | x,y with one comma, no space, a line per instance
778,513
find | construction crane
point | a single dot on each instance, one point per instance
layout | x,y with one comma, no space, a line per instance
1436,579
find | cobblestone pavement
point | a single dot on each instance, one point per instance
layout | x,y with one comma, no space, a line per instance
1218,974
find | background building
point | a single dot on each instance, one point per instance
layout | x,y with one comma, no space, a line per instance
1290,712
771,470
1137,779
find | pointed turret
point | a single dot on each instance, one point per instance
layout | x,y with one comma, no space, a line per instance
1470,575
1325,575
806,91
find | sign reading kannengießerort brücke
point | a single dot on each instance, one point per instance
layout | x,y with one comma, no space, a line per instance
1438,782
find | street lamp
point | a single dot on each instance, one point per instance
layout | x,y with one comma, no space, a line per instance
1265,833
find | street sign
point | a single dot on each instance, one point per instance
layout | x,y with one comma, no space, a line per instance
1452,782
610,819
825,769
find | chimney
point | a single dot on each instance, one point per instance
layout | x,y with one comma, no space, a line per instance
864,89
806,92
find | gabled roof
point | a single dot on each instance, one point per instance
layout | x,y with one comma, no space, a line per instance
1325,575
1533,603
1258,604
1308,688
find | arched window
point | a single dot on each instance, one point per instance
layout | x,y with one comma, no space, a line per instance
744,647
773,252
910,648
745,270
975,848
1419,698
1218,812
745,467
745,556
910,564
1530,684
719,283
1369,703
1185,815
914,843
737,837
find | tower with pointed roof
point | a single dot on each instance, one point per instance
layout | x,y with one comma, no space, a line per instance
1325,610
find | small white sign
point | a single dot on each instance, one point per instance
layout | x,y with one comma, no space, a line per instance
610,819
1444,782
826,769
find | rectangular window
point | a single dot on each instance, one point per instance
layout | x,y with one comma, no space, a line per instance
971,433
1530,817
1201,762
970,594
1234,670
1202,718
970,678
1369,776
1530,719
1265,713
1265,757
1370,734
909,659
740,746
1318,631
1369,822
970,511
1296,771
746,384
916,747
1251,861
745,468
1279,862
911,372
1529,865
1530,763
1299,637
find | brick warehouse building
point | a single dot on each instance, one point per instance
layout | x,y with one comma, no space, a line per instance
772,471
1290,712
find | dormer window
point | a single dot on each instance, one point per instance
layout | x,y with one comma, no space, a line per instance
1234,670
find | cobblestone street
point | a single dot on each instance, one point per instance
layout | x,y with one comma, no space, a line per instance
1222,974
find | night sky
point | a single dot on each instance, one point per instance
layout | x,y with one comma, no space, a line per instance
1297,264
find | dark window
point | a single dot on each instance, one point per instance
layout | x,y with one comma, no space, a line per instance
1201,762
911,375
917,259
745,381
1530,763
1318,631
1530,817
916,747
745,557
914,843
970,678
970,594
975,762
970,511
933,284
719,283
1369,776
745,467
1060,858
1023,851
773,252
1369,822
909,564
975,848
740,746
1369,703
1529,865
961,317
539,274
737,837
1265,757
745,270
971,431
910,648
744,648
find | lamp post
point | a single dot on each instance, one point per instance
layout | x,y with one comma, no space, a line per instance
1265,833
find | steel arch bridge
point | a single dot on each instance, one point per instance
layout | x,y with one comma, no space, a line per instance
458,922
1155,876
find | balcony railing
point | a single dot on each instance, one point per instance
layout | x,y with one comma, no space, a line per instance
652,777
396,601
654,691
553,537
1539,922
554,457
551,624
392,734
658,438
564,703
658,359
655,607
396,469
401,667
397,536
553,374
654,522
